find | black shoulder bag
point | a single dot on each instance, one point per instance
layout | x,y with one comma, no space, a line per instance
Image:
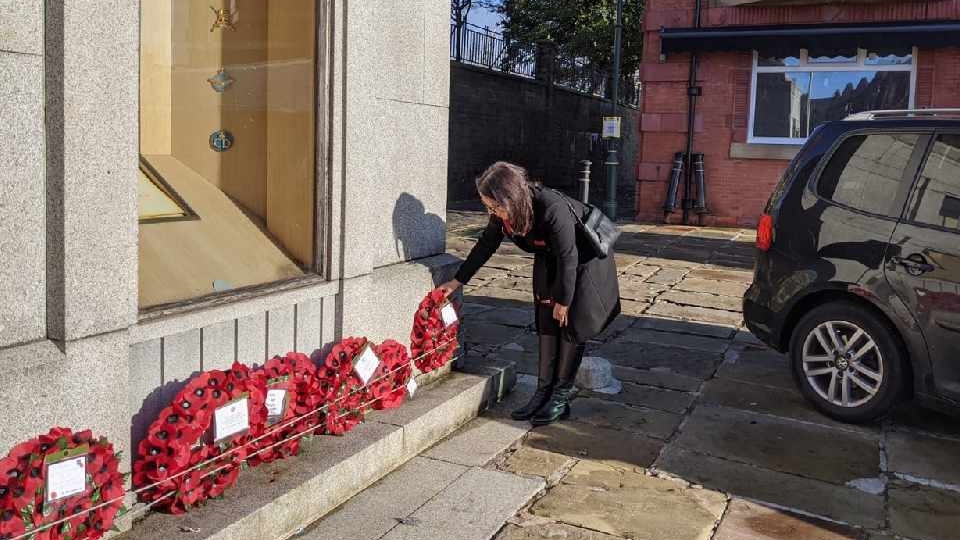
600,230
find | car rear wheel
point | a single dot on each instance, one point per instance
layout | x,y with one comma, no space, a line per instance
847,362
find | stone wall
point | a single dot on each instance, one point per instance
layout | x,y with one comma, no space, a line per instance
548,130
75,351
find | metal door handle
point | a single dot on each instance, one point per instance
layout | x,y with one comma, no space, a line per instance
913,266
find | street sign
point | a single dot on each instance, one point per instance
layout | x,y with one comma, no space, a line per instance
611,127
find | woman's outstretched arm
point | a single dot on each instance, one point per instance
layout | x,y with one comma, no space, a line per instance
485,247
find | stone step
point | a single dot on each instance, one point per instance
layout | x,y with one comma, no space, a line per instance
277,500
429,499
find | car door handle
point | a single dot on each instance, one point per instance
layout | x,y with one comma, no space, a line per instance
914,266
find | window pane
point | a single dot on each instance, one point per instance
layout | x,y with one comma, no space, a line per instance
227,127
936,199
890,57
769,58
866,171
781,105
825,55
836,94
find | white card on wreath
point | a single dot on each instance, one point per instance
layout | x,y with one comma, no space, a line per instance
66,478
412,386
276,402
366,364
449,314
231,419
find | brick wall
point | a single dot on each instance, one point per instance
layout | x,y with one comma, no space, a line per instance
737,189
494,116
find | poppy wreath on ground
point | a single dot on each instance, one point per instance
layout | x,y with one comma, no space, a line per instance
295,376
345,392
182,438
432,343
388,387
23,478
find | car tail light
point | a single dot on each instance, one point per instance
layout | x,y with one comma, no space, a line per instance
765,232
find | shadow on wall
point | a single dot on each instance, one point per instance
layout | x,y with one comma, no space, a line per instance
416,233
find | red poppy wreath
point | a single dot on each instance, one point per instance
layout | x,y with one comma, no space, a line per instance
347,395
44,494
194,449
293,395
433,340
388,388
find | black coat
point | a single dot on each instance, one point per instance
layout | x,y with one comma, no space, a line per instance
566,268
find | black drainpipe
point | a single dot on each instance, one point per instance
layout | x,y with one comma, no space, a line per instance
692,92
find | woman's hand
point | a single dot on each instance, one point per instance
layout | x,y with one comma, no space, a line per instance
450,287
560,314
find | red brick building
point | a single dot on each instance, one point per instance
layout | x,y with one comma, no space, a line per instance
768,72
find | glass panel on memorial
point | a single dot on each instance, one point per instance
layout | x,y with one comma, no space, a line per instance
227,115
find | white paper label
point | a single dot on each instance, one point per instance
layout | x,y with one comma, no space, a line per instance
66,478
412,386
366,365
276,402
231,419
448,314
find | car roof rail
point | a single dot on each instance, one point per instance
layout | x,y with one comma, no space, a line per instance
905,113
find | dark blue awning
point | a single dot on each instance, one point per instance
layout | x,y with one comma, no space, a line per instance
786,39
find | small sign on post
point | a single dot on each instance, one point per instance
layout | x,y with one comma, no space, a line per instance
611,127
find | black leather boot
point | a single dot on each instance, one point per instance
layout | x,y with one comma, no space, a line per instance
546,375
558,406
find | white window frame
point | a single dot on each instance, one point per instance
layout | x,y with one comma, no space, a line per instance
805,66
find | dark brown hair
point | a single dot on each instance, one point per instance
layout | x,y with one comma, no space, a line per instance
508,185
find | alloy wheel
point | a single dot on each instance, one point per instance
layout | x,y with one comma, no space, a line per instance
842,363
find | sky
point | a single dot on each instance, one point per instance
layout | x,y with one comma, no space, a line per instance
484,17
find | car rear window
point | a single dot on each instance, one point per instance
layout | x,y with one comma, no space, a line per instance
936,197
866,172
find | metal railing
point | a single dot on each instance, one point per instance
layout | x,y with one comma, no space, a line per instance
470,44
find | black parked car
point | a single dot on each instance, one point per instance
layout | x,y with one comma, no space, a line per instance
858,264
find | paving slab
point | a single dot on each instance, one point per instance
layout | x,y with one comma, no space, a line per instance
515,317
747,338
741,276
813,451
783,402
513,282
475,331
673,337
640,507
647,396
661,378
660,324
641,270
725,288
474,507
703,299
694,313
633,308
924,513
839,503
913,416
548,529
585,441
625,260
479,441
667,276
377,509
923,456
765,367
470,309
500,297
528,461
508,262
654,423
691,362
746,520
634,289
680,264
